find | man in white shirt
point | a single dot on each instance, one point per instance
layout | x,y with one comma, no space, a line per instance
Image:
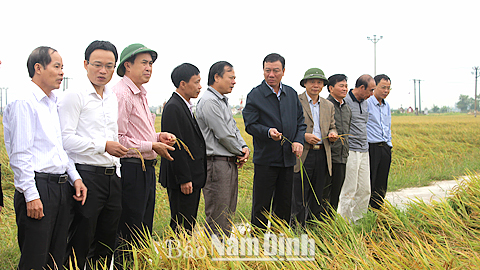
88,118
41,166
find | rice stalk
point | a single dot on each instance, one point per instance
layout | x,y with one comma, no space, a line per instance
177,140
141,158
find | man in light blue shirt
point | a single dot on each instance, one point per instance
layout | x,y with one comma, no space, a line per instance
379,135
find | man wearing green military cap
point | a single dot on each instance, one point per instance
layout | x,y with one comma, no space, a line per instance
136,129
316,157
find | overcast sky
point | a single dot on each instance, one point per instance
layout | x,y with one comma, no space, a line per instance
436,41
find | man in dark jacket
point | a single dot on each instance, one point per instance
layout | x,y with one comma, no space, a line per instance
185,176
273,112
337,86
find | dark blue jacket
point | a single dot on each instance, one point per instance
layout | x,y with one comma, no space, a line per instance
263,111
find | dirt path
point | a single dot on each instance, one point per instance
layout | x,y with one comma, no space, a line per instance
435,191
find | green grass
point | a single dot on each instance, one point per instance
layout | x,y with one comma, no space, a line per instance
426,148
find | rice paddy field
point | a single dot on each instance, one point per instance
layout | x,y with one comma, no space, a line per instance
442,235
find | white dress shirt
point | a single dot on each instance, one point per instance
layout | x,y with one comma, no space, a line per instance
34,141
88,121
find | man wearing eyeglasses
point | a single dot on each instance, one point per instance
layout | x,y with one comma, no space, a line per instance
88,118
136,129
379,135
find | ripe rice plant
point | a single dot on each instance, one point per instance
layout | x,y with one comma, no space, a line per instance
422,236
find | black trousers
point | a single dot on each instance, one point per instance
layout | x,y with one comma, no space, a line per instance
333,187
94,228
138,201
271,183
307,197
43,242
183,208
380,159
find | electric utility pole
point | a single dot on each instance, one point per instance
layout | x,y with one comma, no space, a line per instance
476,76
65,83
419,98
415,96
375,40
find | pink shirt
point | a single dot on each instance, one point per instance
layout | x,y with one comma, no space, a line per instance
136,124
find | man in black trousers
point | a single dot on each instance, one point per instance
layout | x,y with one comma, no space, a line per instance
273,111
185,176
41,167
88,118
379,135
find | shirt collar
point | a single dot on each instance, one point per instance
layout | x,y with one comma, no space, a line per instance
39,94
375,101
216,93
188,103
133,87
340,103
310,100
90,89
353,96
271,88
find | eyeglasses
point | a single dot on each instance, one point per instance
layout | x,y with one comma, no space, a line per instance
99,65
385,88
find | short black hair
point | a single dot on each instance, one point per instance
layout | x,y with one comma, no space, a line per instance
40,55
334,79
217,68
363,80
380,77
274,57
101,45
183,72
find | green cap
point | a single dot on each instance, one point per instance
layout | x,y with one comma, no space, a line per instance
313,73
130,51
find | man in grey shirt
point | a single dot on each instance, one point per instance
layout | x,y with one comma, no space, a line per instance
226,149
355,194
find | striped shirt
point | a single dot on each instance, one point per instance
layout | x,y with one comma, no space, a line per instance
34,141
136,124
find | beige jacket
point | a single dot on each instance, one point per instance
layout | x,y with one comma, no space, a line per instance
327,125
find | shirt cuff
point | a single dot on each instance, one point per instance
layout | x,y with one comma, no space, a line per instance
100,146
145,146
72,176
31,194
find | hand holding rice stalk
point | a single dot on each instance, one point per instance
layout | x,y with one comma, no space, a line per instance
342,139
303,171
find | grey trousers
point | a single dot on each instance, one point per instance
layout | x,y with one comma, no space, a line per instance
220,194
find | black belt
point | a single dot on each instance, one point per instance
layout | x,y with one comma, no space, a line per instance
57,178
96,169
381,144
316,147
228,159
150,162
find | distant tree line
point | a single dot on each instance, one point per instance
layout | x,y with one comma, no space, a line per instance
466,103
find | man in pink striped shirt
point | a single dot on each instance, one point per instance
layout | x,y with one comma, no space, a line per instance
136,129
